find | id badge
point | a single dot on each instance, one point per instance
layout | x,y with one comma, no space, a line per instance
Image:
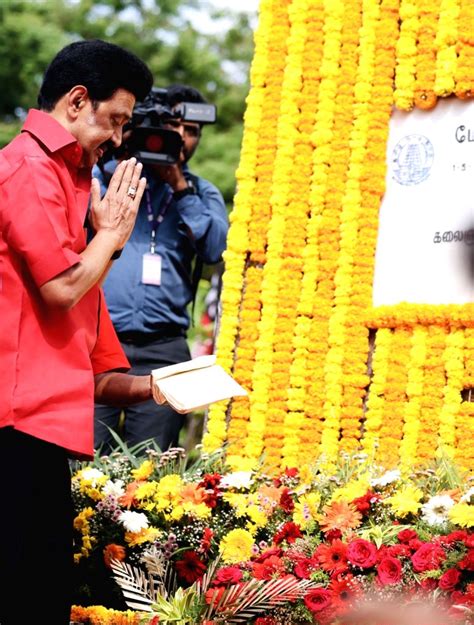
151,269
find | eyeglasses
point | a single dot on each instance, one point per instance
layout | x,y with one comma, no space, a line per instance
192,130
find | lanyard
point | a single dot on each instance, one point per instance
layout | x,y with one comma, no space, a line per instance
153,220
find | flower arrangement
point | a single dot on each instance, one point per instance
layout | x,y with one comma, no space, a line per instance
193,542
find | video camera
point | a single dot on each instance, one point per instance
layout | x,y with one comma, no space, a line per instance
149,141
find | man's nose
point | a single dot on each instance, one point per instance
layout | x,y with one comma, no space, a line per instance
117,137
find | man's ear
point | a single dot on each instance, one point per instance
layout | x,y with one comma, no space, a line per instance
76,99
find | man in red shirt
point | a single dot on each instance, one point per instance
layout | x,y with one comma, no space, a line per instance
57,342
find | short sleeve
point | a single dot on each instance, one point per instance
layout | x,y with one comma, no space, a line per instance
107,354
35,221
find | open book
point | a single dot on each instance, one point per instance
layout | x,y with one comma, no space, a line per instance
194,384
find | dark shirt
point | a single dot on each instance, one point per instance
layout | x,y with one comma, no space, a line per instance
193,225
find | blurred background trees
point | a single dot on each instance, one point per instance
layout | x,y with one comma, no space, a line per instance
167,34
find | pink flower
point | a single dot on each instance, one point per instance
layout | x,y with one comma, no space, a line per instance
227,575
362,553
389,571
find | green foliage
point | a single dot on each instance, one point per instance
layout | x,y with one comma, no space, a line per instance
162,33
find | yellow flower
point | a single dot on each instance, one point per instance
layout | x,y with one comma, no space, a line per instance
306,509
406,501
236,546
144,471
146,535
352,490
462,514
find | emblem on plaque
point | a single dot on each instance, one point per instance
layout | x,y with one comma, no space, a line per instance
412,159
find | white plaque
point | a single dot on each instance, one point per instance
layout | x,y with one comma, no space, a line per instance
426,223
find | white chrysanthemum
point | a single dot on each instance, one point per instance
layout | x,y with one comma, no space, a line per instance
435,511
113,488
92,475
238,479
387,478
468,496
133,521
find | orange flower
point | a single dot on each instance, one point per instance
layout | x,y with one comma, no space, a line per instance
128,498
192,493
340,515
113,552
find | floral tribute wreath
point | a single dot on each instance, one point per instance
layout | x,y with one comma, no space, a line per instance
298,328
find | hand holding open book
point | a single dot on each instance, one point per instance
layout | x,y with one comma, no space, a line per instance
194,384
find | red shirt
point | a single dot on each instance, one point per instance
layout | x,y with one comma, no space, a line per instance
48,356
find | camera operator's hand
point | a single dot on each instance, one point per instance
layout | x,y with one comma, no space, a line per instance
173,175
117,210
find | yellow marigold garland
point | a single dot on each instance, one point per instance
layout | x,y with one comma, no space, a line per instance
414,390
446,47
299,265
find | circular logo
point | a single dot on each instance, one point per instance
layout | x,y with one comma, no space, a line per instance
412,159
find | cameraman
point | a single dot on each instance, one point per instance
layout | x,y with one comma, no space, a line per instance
182,220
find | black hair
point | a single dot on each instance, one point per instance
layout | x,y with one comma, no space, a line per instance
100,66
177,93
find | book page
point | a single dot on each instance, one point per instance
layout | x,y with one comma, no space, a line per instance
198,388
187,365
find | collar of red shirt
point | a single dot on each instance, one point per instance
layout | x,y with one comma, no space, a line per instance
53,135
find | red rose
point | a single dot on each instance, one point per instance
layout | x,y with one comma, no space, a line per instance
469,540
415,544
406,535
227,575
362,553
428,584
264,620
317,599
363,504
449,579
427,557
398,550
389,571
453,537
467,563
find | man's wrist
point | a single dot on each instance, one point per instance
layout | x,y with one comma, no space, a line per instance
190,189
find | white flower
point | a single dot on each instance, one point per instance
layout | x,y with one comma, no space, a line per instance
387,478
468,496
435,511
238,479
113,488
133,521
92,475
